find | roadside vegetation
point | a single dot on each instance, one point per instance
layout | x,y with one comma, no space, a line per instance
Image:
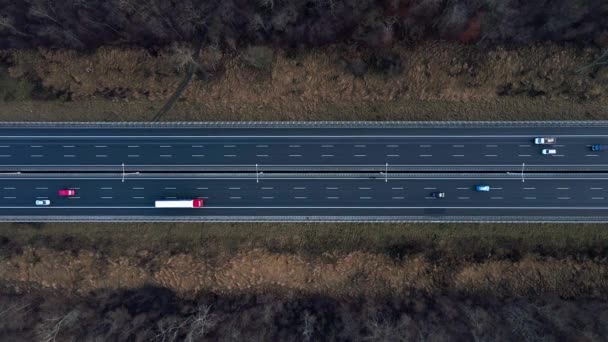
122,60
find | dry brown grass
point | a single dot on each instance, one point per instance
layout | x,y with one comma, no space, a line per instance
315,85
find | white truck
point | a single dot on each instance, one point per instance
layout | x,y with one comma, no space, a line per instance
192,203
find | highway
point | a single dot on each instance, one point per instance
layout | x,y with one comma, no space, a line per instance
283,195
304,171
298,149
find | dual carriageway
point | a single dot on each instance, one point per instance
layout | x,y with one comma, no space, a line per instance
304,171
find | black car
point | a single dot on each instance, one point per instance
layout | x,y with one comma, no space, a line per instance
438,194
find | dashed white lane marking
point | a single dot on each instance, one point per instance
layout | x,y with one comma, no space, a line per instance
101,146
360,145
234,188
490,155
333,197
559,145
134,146
138,197
525,145
496,188
300,197
597,198
399,188
430,188
562,188
457,155
171,197
133,156
41,197
4,155
360,155
74,197
425,155
392,146
365,197
362,188
327,146
596,188
295,155
261,146
463,198
170,188
41,188
195,146
69,155
5,146
67,146
557,155
203,197
35,146
327,155
36,155
392,155
267,197
530,198
235,197
165,146
198,155
426,145
267,188
331,188
299,188
261,155
9,188
398,197
294,146
523,155
101,155
137,188
202,188
230,155
592,155
457,145
529,188
496,198
229,146
106,188
106,197
9,197
563,198
491,145
166,155
462,188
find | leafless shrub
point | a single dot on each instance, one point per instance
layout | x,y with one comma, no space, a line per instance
194,327
200,323
182,56
258,57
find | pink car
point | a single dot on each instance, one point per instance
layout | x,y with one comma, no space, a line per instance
67,192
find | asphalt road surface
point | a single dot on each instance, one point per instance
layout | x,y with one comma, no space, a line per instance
299,149
285,195
275,173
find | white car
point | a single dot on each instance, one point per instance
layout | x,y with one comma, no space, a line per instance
544,141
549,151
43,202
482,188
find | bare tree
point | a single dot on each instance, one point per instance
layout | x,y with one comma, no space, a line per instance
48,330
200,323
9,24
309,326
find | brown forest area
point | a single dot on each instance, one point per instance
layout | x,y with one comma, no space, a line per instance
231,24
81,60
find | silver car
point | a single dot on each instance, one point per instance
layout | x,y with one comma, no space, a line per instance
43,202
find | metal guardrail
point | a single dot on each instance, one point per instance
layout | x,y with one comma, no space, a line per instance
308,124
314,219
